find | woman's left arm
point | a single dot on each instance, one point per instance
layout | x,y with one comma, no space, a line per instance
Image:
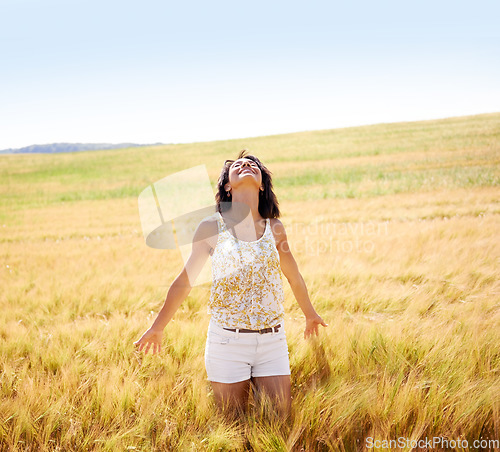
291,271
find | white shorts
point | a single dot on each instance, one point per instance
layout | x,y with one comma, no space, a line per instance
231,357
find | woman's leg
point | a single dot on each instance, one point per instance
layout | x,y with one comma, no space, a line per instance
278,388
231,398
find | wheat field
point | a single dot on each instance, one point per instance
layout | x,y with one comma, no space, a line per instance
395,228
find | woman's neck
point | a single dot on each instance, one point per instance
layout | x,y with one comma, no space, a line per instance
246,199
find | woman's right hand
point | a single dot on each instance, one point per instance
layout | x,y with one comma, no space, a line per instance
151,338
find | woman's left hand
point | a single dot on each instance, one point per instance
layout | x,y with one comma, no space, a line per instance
312,324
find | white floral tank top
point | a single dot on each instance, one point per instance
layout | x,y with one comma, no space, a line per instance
247,288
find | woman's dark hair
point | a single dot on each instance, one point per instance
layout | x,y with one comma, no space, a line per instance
268,203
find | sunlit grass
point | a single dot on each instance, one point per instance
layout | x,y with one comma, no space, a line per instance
395,230
343,163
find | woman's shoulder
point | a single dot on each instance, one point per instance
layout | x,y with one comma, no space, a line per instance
277,229
276,223
209,223
206,234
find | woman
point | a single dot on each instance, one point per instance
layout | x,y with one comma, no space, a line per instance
246,341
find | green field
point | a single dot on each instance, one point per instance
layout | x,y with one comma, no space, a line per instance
395,228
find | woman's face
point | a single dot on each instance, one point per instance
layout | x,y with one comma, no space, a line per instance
244,171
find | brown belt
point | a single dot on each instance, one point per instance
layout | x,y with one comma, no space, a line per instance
274,329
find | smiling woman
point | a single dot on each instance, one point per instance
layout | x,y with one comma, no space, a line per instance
246,341
249,165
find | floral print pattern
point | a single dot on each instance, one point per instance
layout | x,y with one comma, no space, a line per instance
247,287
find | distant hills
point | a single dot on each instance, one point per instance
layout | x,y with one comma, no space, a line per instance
71,147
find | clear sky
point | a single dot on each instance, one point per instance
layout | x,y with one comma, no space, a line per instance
182,71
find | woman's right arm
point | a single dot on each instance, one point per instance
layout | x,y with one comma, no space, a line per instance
180,288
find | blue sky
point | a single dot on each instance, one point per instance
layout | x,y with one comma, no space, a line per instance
162,71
